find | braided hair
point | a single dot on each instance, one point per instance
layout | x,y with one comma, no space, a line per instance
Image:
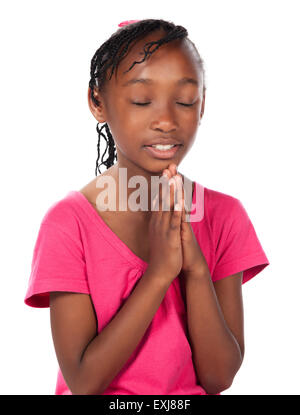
110,54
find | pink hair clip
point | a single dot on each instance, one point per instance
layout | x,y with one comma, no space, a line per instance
126,22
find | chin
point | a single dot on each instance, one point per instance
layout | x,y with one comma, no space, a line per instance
159,166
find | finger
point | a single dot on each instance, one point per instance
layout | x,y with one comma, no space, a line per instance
154,206
184,214
172,187
173,169
175,222
183,217
168,196
167,173
181,197
179,188
162,190
183,194
154,210
168,203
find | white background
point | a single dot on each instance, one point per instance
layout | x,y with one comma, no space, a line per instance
247,146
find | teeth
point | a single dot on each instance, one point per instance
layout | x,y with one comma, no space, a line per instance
163,147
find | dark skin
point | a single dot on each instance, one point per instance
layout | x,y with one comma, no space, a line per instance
214,310
132,125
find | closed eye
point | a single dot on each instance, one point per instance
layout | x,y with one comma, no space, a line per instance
185,105
147,103
141,103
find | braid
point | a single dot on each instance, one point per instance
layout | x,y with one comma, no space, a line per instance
112,154
110,54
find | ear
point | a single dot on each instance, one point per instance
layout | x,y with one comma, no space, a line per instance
98,111
202,105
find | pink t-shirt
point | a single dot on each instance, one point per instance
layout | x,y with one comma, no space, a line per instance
76,251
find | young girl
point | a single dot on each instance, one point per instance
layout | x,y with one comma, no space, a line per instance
145,301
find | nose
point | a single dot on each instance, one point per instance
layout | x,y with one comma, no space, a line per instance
164,120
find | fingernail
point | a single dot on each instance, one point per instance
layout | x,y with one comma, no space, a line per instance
178,179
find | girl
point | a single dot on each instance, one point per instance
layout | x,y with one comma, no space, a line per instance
145,301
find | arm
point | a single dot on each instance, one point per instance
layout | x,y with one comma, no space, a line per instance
215,326
90,361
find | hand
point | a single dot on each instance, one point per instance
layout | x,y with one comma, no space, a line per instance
164,235
194,262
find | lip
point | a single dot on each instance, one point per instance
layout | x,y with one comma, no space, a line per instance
162,154
163,141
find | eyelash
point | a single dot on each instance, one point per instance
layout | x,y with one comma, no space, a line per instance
146,103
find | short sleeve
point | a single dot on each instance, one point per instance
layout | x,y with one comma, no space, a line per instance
58,264
237,246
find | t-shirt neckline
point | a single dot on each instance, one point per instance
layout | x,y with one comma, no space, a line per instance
109,233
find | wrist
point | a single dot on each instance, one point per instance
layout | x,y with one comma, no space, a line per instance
159,276
199,274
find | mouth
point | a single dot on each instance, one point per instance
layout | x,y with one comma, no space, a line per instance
163,151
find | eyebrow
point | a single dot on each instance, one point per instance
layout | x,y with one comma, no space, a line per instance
146,81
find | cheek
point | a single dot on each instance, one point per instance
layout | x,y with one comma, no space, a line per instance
189,120
128,118
122,124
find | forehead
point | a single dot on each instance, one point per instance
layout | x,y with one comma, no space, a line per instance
167,65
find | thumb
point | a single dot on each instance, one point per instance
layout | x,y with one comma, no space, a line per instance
176,218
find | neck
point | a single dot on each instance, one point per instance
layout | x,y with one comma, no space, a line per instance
125,176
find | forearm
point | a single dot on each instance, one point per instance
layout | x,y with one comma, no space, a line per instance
216,353
112,347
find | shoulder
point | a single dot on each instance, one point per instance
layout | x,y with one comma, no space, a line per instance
221,205
91,190
219,201
223,211
63,214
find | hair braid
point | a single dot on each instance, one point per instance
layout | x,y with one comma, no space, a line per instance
111,52
112,154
